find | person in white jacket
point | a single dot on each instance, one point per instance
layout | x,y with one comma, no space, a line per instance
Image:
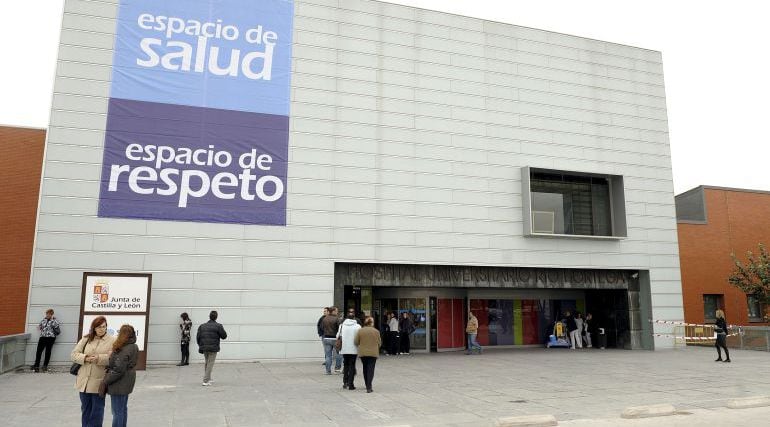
349,351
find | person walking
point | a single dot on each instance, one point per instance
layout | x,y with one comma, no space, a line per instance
348,331
369,342
330,325
121,374
208,338
320,329
185,327
92,354
405,330
337,356
472,330
721,331
49,329
393,337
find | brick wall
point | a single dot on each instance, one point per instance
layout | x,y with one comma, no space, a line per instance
736,221
20,167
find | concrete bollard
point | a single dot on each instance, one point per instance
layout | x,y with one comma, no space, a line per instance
748,402
527,421
648,411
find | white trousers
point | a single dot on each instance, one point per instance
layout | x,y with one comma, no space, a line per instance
576,339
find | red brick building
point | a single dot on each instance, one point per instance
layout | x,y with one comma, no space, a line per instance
20,167
714,222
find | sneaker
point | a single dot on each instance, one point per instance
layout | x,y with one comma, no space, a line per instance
337,370
405,353
206,383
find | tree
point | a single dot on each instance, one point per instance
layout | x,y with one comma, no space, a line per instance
753,276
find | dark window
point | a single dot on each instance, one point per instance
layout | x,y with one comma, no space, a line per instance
755,309
570,204
711,304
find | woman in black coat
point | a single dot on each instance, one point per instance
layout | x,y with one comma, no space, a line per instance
121,374
721,330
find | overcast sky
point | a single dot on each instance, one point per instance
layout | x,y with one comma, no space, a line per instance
716,61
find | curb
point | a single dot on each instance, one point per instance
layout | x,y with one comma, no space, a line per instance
748,402
527,421
648,411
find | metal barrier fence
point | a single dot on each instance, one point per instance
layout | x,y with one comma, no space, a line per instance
741,337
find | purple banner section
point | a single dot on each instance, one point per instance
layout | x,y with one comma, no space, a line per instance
182,163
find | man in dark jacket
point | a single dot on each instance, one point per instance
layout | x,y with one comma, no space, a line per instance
330,325
208,338
405,329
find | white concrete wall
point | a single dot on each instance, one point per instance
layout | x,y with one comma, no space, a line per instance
408,131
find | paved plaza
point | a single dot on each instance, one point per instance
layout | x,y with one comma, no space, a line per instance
580,388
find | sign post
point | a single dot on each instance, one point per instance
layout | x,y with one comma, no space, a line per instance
122,298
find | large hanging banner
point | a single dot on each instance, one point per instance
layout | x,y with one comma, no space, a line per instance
198,116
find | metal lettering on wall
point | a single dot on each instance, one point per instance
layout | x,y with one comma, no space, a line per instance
409,275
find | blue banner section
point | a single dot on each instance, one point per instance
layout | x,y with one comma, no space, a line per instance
226,54
198,116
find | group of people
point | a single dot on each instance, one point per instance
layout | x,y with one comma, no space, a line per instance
107,365
398,331
344,341
579,329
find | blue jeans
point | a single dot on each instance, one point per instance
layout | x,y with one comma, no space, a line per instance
473,344
91,410
329,353
119,403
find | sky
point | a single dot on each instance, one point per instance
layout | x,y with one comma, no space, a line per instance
716,66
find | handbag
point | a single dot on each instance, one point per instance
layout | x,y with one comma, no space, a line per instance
75,368
102,388
338,343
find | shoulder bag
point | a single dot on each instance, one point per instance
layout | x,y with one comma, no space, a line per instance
75,368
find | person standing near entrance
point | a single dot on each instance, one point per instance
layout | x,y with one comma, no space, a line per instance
185,327
208,338
349,351
579,331
405,328
369,342
587,329
472,330
393,337
721,330
330,325
49,329
320,329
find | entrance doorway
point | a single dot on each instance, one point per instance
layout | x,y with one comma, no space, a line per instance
416,309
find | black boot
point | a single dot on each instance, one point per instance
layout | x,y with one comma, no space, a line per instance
719,359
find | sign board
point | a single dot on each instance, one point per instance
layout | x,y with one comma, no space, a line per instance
123,294
115,321
122,298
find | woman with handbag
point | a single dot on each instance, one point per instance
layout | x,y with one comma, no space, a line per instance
369,342
721,330
121,374
92,353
